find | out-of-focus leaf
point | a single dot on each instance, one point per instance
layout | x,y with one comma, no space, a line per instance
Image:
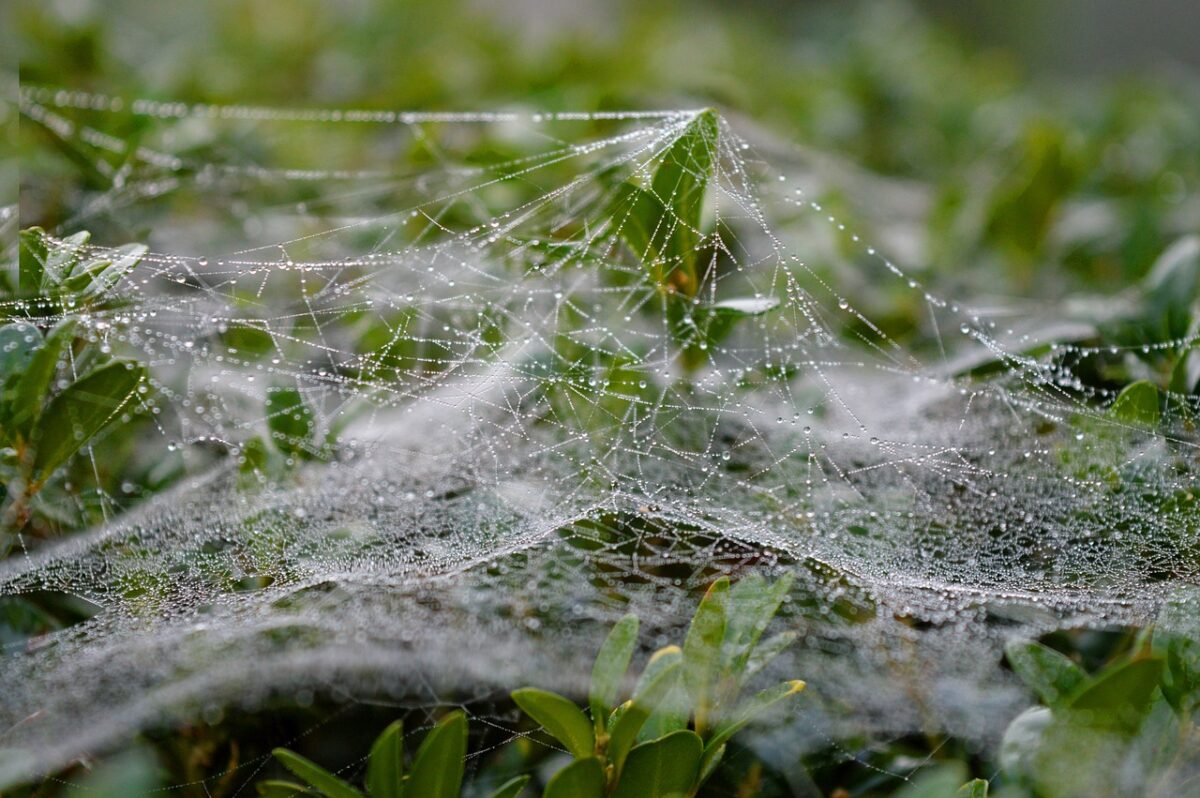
511,788
1046,672
30,392
291,421
702,648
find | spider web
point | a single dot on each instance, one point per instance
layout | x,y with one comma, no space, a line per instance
506,453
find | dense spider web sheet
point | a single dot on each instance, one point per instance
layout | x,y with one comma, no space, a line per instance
518,457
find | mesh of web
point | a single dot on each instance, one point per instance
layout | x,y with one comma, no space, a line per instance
519,457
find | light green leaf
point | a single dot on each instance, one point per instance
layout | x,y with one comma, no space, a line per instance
752,605
511,788
659,677
325,782
976,788
437,770
385,765
609,670
757,705
766,651
680,183
1137,404
702,649
583,778
81,411
1046,672
561,719
663,768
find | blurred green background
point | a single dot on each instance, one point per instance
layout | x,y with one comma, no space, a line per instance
1010,137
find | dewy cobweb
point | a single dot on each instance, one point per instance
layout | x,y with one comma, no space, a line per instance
505,448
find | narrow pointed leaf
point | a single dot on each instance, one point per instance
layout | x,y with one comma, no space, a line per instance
511,788
274,788
752,605
583,778
679,184
663,768
766,651
664,670
702,648
611,664
31,260
561,719
385,765
325,782
748,712
437,770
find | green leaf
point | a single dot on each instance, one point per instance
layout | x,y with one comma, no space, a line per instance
1118,698
679,184
583,778
664,768
511,788
274,788
99,277
752,605
702,649
609,670
748,712
658,678
81,411
765,652
1185,376
1137,404
290,420
1051,675
976,788
561,719
18,344
385,765
33,387
325,782
641,220
31,260
437,770
1172,288
62,257
941,781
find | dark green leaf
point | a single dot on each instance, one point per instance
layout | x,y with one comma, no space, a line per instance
1044,671
583,778
81,411
290,420
437,770
663,768
609,670
325,782
561,719
385,765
